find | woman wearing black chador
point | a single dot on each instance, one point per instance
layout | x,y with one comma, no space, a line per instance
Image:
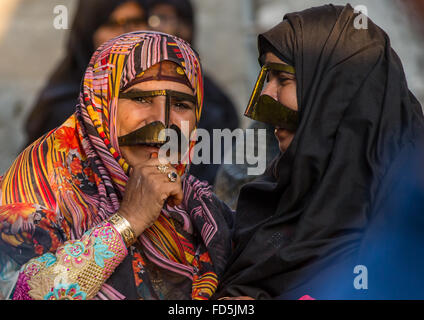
338,213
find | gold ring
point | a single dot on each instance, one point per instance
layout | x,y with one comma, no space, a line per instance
162,168
172,176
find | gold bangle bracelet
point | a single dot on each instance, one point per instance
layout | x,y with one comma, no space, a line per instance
124,228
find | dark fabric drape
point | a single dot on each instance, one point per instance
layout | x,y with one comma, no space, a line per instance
299,227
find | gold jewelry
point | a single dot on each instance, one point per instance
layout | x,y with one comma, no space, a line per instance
162,168
180,71
172,176
124,228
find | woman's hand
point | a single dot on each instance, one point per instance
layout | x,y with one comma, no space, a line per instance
146,192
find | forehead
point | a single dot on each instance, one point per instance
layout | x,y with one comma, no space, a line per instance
166,68
161,76
272,58
161,85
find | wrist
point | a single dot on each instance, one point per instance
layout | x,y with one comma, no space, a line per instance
123,226
137,223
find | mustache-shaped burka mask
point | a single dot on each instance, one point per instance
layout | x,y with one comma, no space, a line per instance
152,134
155,133
264,108
156,59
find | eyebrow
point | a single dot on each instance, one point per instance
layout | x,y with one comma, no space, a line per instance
137,93
134,91
286,73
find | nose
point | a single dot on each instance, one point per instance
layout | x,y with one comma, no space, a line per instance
158,110
270,89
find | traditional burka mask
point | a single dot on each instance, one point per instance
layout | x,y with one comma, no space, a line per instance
154,133
264,108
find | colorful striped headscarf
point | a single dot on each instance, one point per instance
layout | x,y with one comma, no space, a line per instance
76,175
89,139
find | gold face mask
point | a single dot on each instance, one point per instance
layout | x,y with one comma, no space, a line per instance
153,134
264,108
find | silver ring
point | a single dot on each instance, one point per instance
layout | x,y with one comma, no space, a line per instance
172,176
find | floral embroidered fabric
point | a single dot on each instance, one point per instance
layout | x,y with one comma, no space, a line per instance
77,270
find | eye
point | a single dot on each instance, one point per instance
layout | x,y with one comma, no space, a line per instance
183,106
141,99
282,79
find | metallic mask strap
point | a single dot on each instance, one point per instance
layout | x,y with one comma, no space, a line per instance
155,93
280,67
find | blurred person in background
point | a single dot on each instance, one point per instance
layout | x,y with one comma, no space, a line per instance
96,21
177,17
173,17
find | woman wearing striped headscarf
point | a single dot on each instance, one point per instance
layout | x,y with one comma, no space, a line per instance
89,212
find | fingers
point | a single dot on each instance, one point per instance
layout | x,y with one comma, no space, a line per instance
172,189
153,162
154,165
153,168
176,195
152,175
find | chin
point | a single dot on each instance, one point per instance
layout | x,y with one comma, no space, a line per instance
284,144
284,138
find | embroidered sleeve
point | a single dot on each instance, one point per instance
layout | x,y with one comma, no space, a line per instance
77,270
